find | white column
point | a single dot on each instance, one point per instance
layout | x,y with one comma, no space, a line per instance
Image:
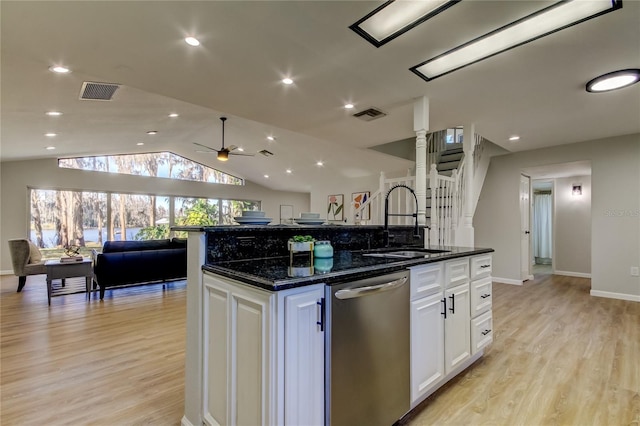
421,126
466,235
196,257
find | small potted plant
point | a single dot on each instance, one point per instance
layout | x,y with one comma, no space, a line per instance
301,243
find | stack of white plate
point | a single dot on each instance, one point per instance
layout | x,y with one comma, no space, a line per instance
251,217
309,219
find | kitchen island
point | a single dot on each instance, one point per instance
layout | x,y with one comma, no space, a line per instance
256,336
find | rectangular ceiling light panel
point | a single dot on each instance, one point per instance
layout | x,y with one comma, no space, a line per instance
539,24
394,18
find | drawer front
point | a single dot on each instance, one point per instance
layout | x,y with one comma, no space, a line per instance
481,266
481,296
481,332
425,280
456,272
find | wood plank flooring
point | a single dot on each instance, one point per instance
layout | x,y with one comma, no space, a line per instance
560,357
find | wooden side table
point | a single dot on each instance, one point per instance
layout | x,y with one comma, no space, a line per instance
62,270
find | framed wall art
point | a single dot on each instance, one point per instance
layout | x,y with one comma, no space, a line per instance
359,198
335,207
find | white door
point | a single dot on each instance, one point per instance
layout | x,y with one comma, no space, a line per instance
525,228
457,327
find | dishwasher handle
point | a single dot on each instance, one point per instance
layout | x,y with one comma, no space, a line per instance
350,293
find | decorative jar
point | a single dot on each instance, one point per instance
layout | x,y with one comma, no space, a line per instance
323,249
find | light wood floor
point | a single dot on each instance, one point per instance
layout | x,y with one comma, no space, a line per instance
560,357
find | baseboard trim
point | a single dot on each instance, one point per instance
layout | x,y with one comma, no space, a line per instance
506,281
611,295
572,274
6,272
185,422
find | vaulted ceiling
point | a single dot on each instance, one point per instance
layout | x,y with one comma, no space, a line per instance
535,91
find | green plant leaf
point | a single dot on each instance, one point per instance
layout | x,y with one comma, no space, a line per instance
339,210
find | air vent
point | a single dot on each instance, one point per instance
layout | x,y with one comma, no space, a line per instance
370,114
265,153
98,91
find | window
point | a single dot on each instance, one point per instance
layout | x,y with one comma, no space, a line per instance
156,164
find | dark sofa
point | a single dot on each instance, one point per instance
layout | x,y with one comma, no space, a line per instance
136,262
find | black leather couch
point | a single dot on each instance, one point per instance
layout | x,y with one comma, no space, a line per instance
137,262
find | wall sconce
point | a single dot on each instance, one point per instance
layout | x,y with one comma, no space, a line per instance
576,189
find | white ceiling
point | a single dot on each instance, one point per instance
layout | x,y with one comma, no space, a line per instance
535,90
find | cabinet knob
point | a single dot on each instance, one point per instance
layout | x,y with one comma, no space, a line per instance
484,296
484,333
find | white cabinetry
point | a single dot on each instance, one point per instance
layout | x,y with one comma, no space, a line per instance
457,343
260,349
427,330
481,302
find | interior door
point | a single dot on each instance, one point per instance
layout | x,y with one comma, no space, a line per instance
525,227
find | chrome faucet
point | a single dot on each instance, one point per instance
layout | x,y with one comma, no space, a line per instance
416,232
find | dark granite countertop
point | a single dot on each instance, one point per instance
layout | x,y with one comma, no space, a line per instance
273,273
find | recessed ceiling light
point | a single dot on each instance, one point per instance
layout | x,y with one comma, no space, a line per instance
541,23
140,143
192,41
266,176
289,171
348,106
614,80
514,138
50,148
287,81
152,132
59,69
319,164
50,135
240,149
53,113
271,138
173,115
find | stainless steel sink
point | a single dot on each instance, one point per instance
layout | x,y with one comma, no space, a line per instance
405,254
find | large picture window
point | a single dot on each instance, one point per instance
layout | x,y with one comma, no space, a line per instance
156,164
87,219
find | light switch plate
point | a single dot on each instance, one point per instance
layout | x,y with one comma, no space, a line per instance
635,271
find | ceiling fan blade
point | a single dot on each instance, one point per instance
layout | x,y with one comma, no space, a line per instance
204,146
245,154
231,147
206,152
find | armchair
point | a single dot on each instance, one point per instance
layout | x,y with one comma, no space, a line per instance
26,260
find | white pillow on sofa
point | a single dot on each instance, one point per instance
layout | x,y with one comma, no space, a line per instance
34,253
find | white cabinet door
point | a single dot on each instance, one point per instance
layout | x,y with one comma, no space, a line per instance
237,352
427,345
304,357
457,343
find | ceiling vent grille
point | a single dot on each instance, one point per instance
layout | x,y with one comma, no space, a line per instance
98,91
265,153
370,114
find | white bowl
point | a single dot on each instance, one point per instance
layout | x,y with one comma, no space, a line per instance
252,213
309,215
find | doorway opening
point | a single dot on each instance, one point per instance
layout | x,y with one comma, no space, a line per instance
542,227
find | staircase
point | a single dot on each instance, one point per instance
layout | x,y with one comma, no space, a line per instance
446,191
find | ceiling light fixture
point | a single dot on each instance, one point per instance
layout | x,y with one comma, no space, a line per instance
613,80
50,135
240,149
53,113
192,41
271,138
546,21
319,164
289,171
395,18
50,148
140,143
59,69
173,115
348,106
287,81
514,138
266,176
223,155
152,132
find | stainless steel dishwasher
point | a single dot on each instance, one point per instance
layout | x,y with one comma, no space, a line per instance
367,351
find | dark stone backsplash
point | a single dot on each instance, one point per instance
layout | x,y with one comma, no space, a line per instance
250,242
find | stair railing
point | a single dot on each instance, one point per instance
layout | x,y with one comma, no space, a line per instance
436,144
374,206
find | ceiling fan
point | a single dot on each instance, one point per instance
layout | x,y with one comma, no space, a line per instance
223,153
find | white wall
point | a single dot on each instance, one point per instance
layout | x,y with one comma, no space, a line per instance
18,176
572,227
321,190
615,207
